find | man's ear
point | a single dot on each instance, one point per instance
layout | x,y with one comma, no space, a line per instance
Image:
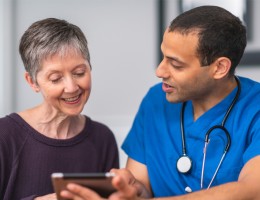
31,82
222,67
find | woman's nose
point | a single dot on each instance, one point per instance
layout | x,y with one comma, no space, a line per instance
70,85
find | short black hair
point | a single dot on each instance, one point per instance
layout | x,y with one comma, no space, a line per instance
220,33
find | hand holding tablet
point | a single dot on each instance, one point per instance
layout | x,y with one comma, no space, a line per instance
99,182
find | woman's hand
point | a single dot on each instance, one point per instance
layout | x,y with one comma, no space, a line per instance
77,192
47,197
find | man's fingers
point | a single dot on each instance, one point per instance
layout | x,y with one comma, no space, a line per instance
66,194
118,182
124,187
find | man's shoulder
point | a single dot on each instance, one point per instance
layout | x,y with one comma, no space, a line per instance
250,87
155,94
156,90
249,82
250,96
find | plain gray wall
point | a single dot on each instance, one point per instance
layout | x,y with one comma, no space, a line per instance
122,36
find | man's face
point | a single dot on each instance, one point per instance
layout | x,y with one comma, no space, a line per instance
182,74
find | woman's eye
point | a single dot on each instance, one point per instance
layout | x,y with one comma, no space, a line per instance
80,74
55,80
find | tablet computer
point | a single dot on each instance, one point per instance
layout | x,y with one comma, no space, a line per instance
99,182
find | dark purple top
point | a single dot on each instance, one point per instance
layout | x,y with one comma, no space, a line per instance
27,158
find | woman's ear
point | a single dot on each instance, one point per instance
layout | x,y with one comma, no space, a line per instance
31,82
222,67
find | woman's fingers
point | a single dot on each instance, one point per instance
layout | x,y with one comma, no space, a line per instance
77,192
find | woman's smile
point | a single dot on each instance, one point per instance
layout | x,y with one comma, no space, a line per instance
72,100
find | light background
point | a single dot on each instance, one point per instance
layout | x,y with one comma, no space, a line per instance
122,36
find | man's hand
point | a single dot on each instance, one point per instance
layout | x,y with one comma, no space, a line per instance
128,188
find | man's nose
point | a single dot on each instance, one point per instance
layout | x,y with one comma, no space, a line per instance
161,71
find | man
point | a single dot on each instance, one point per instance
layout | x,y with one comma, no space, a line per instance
201,140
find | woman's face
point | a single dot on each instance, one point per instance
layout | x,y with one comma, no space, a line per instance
65,83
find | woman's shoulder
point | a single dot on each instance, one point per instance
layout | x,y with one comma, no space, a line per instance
9,121
11,129
99,134
97,127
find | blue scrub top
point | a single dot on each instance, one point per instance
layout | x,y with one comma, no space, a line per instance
155,139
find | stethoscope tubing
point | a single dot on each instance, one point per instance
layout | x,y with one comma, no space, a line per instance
207,136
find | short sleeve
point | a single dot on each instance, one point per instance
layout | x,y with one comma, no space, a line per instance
133,144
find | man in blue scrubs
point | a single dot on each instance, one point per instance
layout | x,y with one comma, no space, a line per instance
201,50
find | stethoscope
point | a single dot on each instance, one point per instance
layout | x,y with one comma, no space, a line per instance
184,163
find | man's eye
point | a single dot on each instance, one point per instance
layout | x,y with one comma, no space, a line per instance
176,66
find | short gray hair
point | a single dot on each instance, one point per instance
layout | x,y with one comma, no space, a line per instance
47,37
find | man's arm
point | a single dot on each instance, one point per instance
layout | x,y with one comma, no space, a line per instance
140,173
246,188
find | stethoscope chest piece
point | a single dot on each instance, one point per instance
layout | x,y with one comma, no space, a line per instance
184,164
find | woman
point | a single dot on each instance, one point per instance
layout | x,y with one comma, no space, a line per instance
53,136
